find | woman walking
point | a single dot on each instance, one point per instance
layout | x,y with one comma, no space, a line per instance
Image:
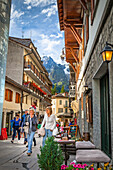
50,124
31,123
16,127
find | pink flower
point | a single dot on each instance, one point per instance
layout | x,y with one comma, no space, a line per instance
72,163
92,169
79,166
75,166
64,167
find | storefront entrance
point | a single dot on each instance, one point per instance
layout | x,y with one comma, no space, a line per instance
105,115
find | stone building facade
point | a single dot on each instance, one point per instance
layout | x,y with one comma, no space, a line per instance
26,80
98,75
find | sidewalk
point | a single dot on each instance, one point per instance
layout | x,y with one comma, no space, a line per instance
14,156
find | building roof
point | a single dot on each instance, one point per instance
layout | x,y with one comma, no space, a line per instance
26,42
60,95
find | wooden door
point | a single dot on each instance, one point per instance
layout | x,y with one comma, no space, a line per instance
105,115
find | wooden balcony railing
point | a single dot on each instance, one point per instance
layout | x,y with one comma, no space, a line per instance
30,86
33,68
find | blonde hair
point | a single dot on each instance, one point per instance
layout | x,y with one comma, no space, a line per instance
50,109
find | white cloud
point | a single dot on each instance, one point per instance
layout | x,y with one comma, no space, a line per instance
36,16
50,11
15,14
56,36
35,3
29,7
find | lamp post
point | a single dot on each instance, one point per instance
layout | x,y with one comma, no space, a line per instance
63,55
107,53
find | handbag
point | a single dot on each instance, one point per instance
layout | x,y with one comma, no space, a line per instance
55,131
26,129
41,131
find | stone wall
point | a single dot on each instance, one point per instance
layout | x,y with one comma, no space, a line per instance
106,34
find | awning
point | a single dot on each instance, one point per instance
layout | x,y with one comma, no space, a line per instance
75,106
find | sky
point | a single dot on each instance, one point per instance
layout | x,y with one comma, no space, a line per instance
38,20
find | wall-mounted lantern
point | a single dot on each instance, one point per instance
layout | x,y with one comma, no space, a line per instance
107,53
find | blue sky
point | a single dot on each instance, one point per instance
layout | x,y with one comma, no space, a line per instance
38,20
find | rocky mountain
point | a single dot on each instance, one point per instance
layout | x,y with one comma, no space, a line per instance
58,73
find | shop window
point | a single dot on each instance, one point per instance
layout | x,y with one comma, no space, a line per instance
60,102
8,95
17,100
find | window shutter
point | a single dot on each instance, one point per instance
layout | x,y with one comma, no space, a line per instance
82,101
90,109
6,94
92,10
87,28
87,110
11,95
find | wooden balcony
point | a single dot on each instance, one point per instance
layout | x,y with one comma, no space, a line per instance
31,87
32,71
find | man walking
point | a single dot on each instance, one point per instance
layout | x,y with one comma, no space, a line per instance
31,123
23,125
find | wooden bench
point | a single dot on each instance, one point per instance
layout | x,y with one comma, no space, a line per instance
91,156
84,145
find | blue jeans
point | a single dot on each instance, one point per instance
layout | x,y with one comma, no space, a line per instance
48,133
25,137
30,137
16,128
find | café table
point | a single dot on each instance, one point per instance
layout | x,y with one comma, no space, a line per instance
64,143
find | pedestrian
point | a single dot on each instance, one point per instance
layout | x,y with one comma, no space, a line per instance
16,127
23,125
12,121
34,107
31,123
50,124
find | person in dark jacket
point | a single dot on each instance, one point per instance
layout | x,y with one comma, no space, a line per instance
32,123
16,127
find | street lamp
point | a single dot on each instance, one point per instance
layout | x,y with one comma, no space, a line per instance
63,54
86,87
107,53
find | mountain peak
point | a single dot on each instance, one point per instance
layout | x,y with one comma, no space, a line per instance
58,73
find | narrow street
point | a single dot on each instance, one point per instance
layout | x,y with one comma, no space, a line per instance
14,156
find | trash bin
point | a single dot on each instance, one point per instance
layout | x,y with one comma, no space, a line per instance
3,134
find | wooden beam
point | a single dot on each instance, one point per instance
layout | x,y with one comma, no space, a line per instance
72,45
76,35
83,3
70,60
73,67
74,56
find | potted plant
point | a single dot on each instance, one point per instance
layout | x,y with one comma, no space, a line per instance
51,157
